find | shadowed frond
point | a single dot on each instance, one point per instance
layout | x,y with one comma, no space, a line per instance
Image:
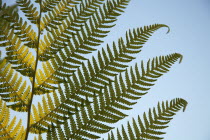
6,11
9,129
13,88
30,11
79,37
22,29
103,69
152,125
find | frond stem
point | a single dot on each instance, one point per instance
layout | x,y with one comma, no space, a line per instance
34,76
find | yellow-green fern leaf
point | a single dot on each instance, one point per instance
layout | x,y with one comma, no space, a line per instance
47,113
9,129
17,53
13,88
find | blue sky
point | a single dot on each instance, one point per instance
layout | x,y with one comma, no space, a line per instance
189,22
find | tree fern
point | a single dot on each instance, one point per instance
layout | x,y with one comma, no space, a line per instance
81,97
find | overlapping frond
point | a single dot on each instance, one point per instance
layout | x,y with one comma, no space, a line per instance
9,129
17,53
48,5
151,126
108,107
55,17
83,30
22,29
13,88
109,103
109,63
83,96
97,76
6,11
47,113
30,11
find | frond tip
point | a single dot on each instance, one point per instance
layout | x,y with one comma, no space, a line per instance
151,126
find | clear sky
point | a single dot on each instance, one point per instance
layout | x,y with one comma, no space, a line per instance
189,21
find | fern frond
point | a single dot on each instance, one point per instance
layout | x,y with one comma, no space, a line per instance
9,129
51,114
107,106
16,53
30,11
48,5
80,86
22,30
12,88
38,138
111,65
55,17
152,125
6,11
85,36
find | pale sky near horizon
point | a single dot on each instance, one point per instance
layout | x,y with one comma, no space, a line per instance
189,22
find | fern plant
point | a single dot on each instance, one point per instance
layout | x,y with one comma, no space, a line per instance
47,55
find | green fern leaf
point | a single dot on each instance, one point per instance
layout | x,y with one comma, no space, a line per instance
58,14
154,122
90,82
89,35
29,9
110,112
81,97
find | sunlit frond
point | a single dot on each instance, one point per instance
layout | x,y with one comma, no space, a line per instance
9,129
13,89
17,54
